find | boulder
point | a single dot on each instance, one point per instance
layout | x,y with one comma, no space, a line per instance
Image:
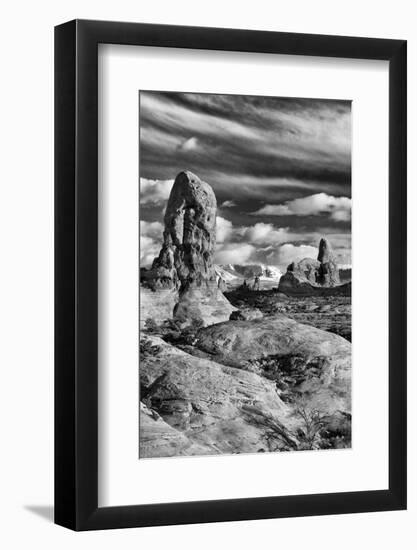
242,344
199,406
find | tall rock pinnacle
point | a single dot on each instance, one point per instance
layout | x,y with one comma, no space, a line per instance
325,251
328,274
182,281
186,257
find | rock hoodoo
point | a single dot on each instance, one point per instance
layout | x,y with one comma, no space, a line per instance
305,269
328,273
310,275
186,257
182,282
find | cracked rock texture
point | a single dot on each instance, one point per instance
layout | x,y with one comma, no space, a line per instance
243,344
217,409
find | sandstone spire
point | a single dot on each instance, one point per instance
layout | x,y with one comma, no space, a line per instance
186,257
328,274
182,281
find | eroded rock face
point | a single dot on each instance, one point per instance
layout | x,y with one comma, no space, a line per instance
246,344
328,273
182,282
305,269
197,406
257,386
157,438
186,257
306,276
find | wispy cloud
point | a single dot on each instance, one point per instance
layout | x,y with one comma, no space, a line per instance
227,204
280,169
190,144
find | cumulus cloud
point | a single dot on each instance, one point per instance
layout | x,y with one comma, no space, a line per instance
341,215
154,191
224,229
338,208
234,253
287,253
264,233
150,241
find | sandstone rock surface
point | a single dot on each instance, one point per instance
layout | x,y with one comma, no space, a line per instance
305,269
328,274
243,344
307,275
157,438
186,256
198,406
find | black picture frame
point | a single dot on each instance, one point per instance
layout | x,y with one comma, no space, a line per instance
76,272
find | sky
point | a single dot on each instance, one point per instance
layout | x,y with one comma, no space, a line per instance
280,169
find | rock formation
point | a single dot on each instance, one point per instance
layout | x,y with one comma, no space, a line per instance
326,357
255,388
305,269
328,274
182,281
186,257
310,275
194,406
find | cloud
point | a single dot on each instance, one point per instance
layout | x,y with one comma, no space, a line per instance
283,140
154,191
264,233
287,253
234,253
190,144
341,215
224,229
339,208
263,156
227,204
262,243
150,241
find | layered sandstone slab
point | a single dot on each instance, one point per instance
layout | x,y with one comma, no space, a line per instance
198,406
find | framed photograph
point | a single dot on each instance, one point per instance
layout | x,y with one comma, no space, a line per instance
230,252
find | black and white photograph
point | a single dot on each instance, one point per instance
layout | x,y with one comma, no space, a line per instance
209,301
245,274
